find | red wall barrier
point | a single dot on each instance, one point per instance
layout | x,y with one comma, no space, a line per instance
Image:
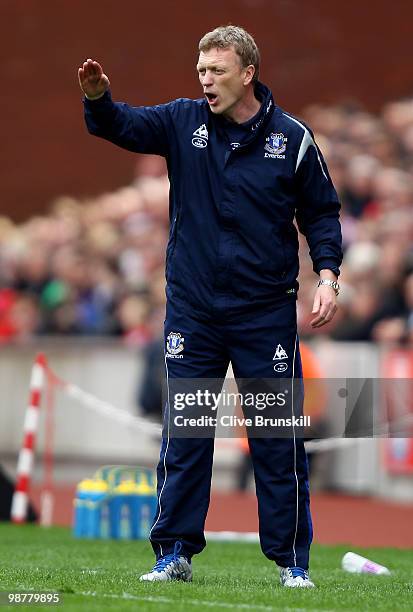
312,51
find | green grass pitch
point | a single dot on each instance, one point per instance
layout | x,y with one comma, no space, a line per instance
103,575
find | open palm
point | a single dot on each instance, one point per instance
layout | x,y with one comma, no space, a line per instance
92,80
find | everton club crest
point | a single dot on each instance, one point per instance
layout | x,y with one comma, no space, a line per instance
275,145
174,345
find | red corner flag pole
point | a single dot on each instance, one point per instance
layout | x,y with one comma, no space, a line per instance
47,496
25,461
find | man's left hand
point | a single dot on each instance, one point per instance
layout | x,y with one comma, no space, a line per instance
324,306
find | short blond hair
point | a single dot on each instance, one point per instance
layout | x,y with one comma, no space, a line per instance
234,36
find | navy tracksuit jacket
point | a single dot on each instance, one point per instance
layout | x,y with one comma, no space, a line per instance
231,270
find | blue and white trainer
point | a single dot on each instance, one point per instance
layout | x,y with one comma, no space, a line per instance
170,567
295,577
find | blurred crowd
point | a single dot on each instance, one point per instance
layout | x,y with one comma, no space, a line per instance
96,267
90,268
370,159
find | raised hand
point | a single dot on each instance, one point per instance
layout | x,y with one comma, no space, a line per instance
93,82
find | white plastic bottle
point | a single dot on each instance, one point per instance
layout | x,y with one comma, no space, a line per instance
356,564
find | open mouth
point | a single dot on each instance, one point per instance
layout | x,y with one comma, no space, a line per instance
211,97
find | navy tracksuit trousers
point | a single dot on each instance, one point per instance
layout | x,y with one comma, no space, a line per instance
280,464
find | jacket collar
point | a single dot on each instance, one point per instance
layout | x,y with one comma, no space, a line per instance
264,95
261,119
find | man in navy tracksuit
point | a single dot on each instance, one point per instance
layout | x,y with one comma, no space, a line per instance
240,169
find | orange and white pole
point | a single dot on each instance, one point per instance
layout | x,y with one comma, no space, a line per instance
26,455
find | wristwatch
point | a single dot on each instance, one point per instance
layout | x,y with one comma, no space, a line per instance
330,283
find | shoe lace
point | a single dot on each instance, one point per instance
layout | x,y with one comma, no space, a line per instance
163,562
297,572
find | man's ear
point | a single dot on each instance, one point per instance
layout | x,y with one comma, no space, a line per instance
249,74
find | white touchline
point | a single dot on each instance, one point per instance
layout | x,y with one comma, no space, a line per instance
193,602
168,600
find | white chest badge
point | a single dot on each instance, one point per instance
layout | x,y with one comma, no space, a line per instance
200,135
275,145
174,345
